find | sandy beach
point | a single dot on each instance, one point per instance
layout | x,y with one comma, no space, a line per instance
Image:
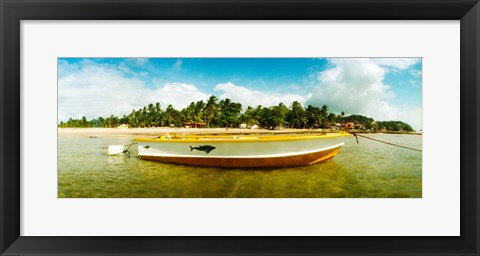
166,130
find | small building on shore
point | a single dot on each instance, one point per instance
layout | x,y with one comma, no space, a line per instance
348,126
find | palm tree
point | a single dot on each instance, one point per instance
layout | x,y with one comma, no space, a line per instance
171,115
249,117
314,118
297,117
278,115
140,117
229,112
324,115
188,112
210,111
198,111
84,122
158,117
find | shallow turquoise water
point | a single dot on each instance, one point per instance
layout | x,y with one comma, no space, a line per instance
368,169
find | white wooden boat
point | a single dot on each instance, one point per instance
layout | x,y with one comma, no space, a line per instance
242,150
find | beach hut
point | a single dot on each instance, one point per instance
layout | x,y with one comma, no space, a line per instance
348,126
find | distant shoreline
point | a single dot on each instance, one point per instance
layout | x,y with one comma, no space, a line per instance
157,131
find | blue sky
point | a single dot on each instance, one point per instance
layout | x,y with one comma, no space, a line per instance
383,88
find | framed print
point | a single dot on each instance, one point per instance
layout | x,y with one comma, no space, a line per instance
220,127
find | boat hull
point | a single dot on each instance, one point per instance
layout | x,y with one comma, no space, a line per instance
242,162
239,152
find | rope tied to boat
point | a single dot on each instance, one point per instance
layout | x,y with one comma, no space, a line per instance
385,142
126,152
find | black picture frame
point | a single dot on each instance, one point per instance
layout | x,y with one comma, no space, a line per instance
13,11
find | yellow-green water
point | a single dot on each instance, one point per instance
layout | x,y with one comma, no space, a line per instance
368,169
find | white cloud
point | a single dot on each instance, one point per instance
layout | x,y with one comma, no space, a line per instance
399,63
178,94
356,86
411,116
97,90
248,97
92,90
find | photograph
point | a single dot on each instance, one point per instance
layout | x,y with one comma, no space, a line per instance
248,127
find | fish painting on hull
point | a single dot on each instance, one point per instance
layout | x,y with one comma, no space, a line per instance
206,148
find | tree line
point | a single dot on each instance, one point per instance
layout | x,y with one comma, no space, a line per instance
226,113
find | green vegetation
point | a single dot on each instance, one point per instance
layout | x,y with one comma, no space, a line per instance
225,113
370,124
394,126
